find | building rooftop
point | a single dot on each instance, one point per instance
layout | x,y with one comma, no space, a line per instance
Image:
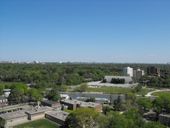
58,114
165,115
13,115
39,110
81,103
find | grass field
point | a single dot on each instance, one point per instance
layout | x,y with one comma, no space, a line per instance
43,123
110,90
161,93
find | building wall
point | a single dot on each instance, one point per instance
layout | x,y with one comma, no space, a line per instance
36,116
16,121
58,121
164,119
128,71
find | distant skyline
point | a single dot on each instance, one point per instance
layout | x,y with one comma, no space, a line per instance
122,31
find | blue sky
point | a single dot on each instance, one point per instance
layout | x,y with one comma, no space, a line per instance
85,30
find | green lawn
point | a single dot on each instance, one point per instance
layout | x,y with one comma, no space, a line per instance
43,123
161,93
110,90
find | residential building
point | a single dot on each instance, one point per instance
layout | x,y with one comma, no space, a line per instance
138,73
3,101
153,71
127,79
74,104
57,116
13,118
164,119
128,71
52,104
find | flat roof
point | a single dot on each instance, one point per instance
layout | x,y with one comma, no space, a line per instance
165,115
12,107
61,115
13,115
39,110
81,103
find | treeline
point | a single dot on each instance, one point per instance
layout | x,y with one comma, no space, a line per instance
51,74
55,74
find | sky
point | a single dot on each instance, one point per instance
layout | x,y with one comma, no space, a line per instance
125,31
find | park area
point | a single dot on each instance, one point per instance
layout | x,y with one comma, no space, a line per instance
43,123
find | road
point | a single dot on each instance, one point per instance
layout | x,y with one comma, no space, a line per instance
149,94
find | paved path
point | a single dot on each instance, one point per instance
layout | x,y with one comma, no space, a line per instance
149,94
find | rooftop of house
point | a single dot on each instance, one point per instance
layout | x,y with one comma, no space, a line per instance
13,115
3,98
36,110
81,103
58,114
165,115
50,102
12,107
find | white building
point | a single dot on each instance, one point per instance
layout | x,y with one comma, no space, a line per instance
128,71
137,74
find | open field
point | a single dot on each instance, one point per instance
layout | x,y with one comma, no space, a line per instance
43,123
161,93
110,90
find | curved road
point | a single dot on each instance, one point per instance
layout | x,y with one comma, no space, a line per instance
149,94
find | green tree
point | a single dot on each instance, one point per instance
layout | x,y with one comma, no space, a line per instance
153,125
82,118
16,97
54,95
35,95
144,104
1,89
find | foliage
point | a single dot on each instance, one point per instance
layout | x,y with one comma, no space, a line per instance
110,90
153,125
144,104
81,88
35,94
162,103
82,118
53,95
43,123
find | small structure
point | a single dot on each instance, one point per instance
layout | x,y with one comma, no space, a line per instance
153,71
74,104
127,79
38,113
128,71
12,119
14,108
151,116
3,101
164,119
52,104
57,116
6,92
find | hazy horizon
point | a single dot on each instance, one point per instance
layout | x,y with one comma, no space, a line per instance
85,31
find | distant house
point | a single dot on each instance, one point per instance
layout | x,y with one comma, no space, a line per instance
126,79
6,92
74,104
11,119
164,119
57,116
153,71
3,101
52,104
128,71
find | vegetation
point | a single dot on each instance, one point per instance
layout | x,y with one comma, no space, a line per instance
88,118
110,90
43,123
